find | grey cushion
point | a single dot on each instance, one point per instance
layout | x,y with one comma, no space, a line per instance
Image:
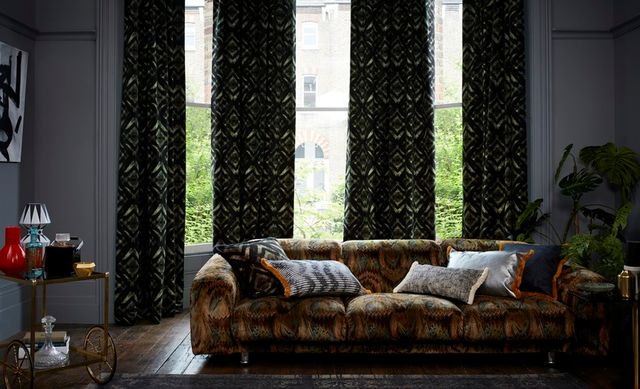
459,284
505,269
314,278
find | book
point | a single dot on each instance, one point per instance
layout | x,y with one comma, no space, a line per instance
63,347
56,337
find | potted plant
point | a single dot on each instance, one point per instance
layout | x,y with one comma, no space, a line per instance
600,247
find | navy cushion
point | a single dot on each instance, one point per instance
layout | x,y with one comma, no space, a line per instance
541,270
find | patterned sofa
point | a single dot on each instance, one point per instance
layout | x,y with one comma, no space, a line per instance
224,322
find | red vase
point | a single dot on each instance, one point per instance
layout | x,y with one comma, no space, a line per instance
12,256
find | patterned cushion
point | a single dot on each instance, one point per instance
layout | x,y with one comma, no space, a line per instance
314,278
310,319
459,284
505,269
542,269
245,257
506,319
398,316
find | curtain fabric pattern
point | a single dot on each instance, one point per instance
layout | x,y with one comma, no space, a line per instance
493,106
253,119
151,189
390,179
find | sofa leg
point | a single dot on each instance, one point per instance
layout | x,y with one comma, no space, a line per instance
244,358
551,358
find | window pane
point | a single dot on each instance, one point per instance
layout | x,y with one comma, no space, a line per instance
310,36
199,197
319,193
448,123
448,49
198,15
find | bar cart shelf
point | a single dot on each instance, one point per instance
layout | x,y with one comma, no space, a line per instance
97,354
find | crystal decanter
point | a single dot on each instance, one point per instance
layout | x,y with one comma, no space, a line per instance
48,356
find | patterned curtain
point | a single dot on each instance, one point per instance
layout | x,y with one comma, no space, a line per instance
493,106
253,119
390,184
151,189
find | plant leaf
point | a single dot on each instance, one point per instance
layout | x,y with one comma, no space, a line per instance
578,183
565,155
618,165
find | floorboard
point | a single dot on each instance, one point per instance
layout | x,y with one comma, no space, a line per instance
165,348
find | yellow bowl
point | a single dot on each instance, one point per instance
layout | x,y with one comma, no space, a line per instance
84,269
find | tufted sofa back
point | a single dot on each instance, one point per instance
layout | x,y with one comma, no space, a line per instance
381,264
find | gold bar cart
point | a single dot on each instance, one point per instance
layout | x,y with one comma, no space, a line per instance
98,352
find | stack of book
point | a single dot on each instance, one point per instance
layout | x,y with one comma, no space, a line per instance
60,341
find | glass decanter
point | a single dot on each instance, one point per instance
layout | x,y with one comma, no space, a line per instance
48,356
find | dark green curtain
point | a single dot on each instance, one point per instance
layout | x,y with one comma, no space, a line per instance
151,188
253,119
493,106
390,183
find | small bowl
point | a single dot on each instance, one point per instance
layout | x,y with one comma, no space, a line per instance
85,270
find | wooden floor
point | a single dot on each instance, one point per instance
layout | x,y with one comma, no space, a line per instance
166,349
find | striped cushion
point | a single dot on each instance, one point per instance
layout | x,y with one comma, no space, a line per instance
314,278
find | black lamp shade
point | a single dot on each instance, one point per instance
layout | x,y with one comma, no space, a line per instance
633,253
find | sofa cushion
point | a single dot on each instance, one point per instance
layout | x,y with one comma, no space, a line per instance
308,319
505,269
244,258
302,278
458,284
409,317
492,318
541,271
380,265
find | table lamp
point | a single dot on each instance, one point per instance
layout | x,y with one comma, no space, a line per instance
35,215
632,264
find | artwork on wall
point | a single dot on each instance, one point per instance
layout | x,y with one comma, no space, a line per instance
13,78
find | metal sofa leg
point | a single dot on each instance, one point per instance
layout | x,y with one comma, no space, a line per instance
551,358
244,358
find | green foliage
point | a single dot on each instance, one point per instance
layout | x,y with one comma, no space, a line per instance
199,227
531,218
600,249
319,215
619,165
448,124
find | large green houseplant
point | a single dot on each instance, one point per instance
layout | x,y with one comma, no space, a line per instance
600,247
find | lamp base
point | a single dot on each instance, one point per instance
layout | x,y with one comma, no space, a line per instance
41,239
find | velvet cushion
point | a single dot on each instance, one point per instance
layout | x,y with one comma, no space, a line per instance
244,259
505,269
459,284
542,269
314,278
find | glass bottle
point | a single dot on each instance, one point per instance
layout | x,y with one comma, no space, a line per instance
34,253
48,356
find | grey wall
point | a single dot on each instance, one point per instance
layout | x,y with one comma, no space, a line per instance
626,34
16,29
583,88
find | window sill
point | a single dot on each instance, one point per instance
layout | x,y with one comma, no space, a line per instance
200,248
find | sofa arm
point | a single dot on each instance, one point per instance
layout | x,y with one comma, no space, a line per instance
592,318
570,295
214,294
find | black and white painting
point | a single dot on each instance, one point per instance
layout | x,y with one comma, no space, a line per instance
13,79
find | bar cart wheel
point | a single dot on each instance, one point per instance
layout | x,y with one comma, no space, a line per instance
94,342
18,372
